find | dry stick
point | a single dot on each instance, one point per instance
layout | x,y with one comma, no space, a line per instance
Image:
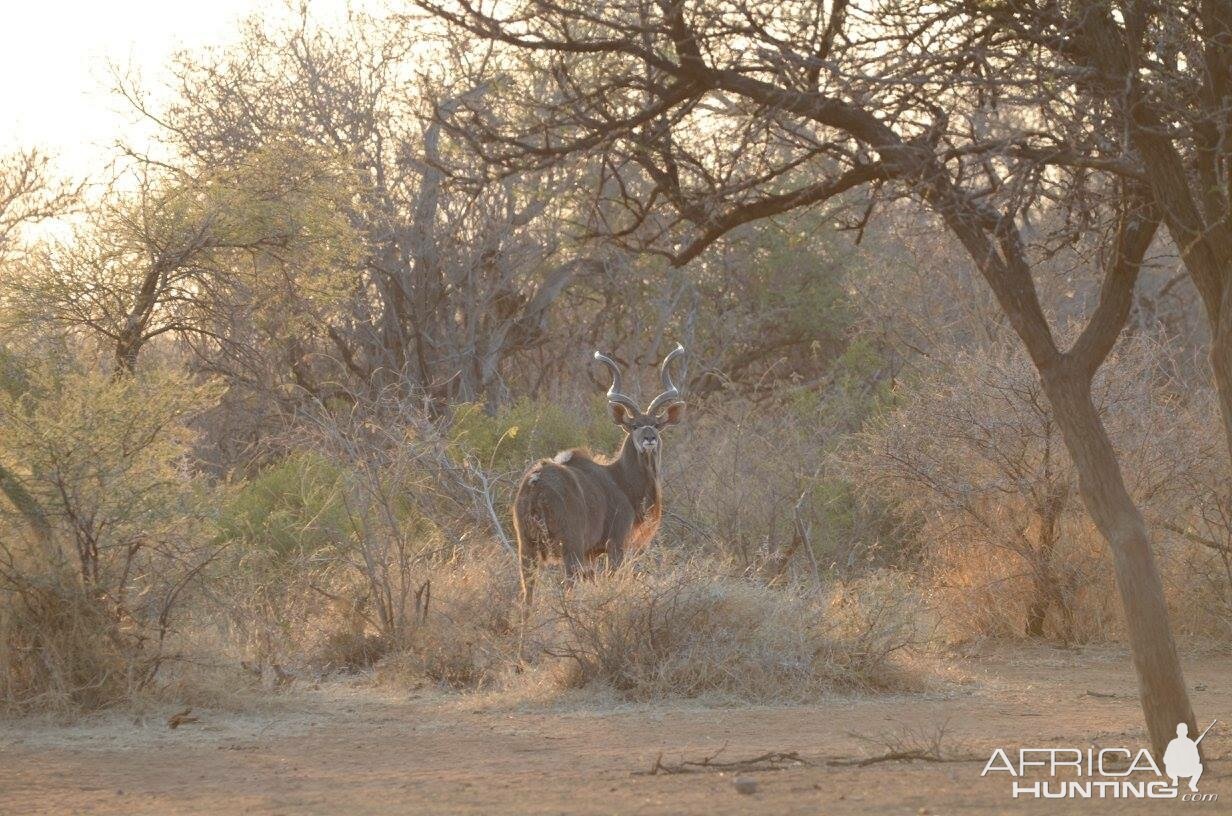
769,761
901,750
781,760
898,756
180,718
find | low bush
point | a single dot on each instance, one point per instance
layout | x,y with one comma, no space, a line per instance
61,652
686,632
104,533
679,631
466,636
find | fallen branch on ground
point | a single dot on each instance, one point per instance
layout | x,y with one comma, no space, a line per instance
898,756
181,718
920,744
769,761
1103,695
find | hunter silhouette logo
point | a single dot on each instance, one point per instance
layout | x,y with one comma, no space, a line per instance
1105,773
1181,758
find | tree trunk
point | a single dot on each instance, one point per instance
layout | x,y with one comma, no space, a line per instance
1221,366
127,348
27,505
1046,585
1161,684
1047,595
132,335
1037,613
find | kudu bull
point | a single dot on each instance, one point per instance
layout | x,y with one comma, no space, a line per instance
576,507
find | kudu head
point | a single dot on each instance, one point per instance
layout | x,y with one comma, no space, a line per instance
645,427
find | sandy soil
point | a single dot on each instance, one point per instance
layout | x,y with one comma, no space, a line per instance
353,750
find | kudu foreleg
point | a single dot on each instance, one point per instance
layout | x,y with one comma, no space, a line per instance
622,529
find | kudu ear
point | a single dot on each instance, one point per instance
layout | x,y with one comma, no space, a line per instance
620,414
672,414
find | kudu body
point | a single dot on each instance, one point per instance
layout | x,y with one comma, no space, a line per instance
576,507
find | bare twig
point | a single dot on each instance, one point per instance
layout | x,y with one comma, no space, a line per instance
769,761
897,756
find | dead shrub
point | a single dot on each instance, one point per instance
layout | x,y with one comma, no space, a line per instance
731,490
687,632
984,592
61,651
679,631
466,636
971,461
346,650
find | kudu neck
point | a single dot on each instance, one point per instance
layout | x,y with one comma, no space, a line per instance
638,473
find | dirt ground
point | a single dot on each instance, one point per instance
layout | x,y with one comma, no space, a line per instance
348,749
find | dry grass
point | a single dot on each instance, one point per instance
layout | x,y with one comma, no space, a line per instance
64,655
467,638
678,631
686,632
1199,591
651,631
60,652
980,593
985,592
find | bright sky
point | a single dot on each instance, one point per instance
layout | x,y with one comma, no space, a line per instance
54,57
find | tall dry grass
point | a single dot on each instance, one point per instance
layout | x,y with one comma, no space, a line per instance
971,460
61,652
686,630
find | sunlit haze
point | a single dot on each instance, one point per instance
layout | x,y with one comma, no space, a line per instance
56,57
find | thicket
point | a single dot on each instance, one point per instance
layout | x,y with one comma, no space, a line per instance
266,405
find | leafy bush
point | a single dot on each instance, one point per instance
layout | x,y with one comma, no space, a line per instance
280,530
107,528
527,429
291,507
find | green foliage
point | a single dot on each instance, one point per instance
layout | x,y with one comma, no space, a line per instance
799,281
292,202
857,389
103,457
283,532
529,429
103,527
292,508
269,237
